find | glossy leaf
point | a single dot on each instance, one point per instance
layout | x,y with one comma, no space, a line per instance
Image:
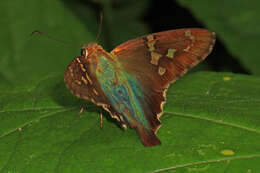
210,124
33,57
37,56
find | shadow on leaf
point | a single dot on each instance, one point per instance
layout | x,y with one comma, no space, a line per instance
63,97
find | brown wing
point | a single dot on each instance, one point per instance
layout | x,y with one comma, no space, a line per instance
158,59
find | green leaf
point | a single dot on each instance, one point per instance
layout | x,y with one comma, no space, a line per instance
25,58
120,22
210,124
236,23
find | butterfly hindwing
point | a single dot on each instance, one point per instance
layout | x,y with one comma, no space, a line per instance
158,59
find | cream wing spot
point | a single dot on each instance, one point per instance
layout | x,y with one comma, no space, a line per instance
150,42
171,52
161,71
70,69
151,46
77,82
84,80
188,34
150,38
155,58
78,60
71,72
82,67
186,49
95,91
88,78
116,117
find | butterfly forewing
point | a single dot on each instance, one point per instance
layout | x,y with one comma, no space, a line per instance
158,59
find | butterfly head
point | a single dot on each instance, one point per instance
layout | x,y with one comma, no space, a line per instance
78,75
89,48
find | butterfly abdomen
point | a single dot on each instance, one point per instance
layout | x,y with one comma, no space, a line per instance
147,136
127,97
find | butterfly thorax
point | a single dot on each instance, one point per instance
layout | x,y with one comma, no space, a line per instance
80,76
89,49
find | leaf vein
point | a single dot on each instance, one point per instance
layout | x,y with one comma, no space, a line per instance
206,162
217,122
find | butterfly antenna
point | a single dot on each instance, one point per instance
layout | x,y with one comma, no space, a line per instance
52,38
100,26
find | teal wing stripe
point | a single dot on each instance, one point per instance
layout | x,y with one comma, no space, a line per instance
123,94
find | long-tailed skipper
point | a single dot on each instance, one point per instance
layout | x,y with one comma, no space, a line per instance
131,81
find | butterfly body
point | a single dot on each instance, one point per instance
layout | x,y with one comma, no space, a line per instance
131,81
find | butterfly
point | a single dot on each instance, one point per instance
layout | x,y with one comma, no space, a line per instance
131,81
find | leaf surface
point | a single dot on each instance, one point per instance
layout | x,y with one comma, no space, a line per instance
210,124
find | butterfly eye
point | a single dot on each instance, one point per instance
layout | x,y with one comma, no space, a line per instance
84,52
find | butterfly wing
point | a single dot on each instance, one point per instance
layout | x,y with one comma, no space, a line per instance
157,60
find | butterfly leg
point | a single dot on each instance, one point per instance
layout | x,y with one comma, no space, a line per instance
81,110
101,120
122,122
